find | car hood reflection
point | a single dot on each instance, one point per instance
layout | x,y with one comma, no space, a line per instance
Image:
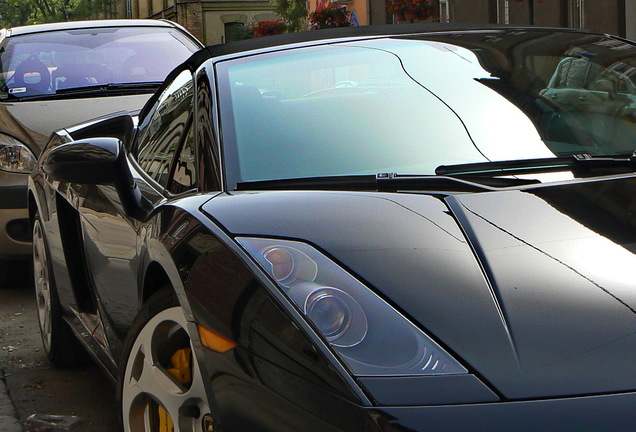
527,287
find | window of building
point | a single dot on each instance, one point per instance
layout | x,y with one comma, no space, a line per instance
577,13
233,31
444,14
503,12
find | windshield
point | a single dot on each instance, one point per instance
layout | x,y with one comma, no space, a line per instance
408,105
43,63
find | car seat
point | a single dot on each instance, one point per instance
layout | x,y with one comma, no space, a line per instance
32,74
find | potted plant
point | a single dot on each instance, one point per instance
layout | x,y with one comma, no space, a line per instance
411,10
268,28
329,16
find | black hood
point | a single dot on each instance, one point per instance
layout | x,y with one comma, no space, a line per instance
529,289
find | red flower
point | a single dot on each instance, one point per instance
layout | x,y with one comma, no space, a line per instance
268,28
420,9
329,16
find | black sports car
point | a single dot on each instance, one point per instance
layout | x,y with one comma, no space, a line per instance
403,228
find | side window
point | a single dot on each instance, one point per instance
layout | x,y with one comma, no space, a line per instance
166,131
185,171
209,165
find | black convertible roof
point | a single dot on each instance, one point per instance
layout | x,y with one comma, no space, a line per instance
307,37
358,31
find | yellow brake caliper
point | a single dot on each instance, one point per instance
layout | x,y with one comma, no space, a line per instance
182,372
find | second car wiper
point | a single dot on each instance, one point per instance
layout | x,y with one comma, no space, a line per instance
98,88
581,165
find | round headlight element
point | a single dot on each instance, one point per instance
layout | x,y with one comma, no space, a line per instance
15,157
281,261
330,314
337,315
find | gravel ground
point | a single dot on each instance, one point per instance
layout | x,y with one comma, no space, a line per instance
35,386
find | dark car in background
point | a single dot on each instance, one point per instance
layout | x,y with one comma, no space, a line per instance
55,75
403,228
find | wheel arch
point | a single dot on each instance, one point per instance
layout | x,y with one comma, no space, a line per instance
155,278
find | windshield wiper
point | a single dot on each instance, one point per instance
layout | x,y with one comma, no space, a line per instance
384,182
110,87
581,165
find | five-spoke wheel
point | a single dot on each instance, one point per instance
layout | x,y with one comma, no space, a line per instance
161,388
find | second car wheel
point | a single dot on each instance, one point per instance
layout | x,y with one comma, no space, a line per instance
160,387
61,346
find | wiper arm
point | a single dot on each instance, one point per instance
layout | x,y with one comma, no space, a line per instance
98,88
581,165
383,182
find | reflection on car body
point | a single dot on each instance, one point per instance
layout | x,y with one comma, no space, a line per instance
367,229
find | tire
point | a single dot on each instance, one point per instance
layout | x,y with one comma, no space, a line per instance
146,391
61,346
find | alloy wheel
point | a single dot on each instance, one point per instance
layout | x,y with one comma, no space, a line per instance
42,282
162,389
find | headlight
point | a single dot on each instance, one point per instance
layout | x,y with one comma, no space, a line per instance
15,157
368,334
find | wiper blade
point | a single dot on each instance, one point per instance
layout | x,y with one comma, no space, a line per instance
581,165
352,182
99,88
383,182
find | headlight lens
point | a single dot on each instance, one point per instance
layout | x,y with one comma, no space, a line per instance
15,157
368,334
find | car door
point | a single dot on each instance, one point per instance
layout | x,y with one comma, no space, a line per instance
112,239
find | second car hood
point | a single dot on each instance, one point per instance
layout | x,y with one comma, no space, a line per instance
530,289
33,121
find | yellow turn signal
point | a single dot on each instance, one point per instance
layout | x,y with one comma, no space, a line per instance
215,341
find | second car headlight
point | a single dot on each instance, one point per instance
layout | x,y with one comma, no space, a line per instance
15,157
369,335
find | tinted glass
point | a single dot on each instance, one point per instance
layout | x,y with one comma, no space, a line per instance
407,105
161,137
185,171
209,159
43,63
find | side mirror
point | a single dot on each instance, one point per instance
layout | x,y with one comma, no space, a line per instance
94,161
97,161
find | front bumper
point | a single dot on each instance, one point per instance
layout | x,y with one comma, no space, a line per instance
607,413
15,232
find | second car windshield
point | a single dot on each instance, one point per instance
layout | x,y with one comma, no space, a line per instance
408,105
43,63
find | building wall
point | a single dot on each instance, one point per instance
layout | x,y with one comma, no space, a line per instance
217,15
603,15
630,19
206,20
609,16
469,11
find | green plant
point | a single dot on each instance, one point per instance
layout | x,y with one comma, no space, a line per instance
294,12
